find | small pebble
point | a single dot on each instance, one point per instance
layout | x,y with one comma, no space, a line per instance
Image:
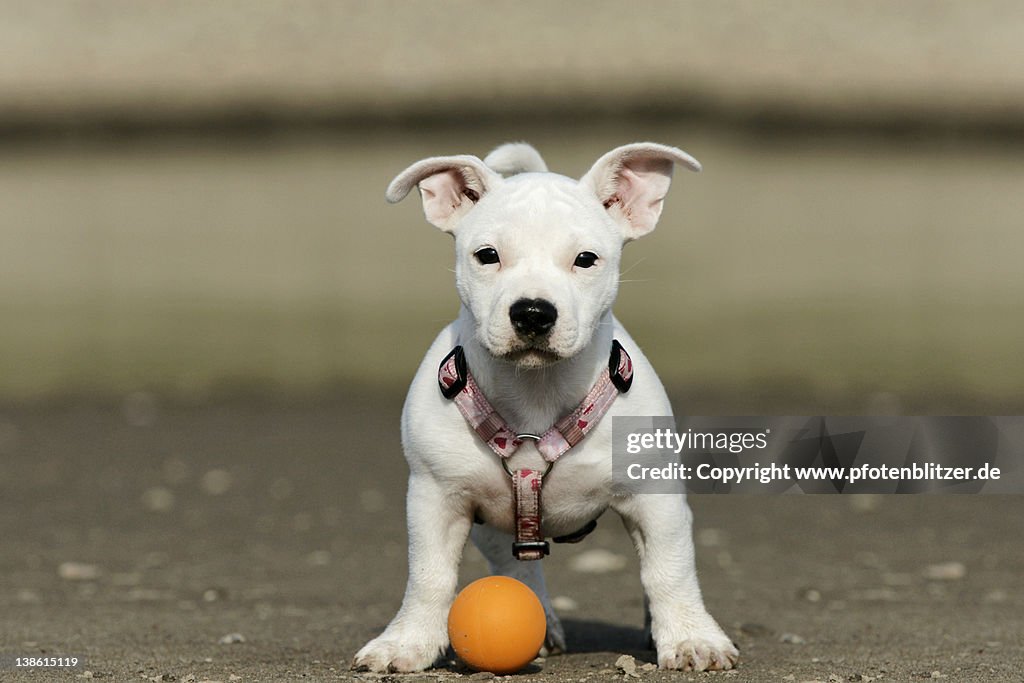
792,639
231,639
709,538
597,561
626,664
158,499
564,603
724,559
864,502
945,571
318,558
216,482
78,571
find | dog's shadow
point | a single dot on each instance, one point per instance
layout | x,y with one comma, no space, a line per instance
582,637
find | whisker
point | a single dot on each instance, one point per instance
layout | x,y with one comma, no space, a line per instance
638,262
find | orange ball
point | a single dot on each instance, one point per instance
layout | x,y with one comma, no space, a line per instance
496,624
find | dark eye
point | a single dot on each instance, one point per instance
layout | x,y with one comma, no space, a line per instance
486,255
585,259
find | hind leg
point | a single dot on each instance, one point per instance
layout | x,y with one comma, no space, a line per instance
496,547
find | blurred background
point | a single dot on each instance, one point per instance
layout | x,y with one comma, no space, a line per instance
192,193
209,315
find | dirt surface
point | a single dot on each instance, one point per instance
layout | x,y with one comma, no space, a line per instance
139,536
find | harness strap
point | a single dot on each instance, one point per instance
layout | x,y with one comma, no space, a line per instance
529,543
578,535
457,384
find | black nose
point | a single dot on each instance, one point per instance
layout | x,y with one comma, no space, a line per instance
532,317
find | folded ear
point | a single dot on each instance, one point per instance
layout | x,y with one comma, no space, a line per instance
449,187
632,182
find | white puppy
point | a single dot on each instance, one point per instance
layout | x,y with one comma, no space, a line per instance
537,270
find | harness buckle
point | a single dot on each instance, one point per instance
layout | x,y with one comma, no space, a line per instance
458,383
622,382
522,547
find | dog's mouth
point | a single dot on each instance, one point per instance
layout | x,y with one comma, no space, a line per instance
531,356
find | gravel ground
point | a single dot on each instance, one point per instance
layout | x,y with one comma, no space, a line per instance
248,540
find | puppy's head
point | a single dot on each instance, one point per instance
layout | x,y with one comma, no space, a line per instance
536,253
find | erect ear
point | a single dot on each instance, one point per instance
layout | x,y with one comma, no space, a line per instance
449,187
632,181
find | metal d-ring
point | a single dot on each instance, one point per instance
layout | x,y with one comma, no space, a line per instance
532,437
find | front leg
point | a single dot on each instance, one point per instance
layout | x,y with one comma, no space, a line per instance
684,634
438,527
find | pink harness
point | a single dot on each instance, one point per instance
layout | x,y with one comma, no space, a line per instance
457,384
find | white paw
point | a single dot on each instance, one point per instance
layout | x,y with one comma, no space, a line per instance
390,653
707,649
